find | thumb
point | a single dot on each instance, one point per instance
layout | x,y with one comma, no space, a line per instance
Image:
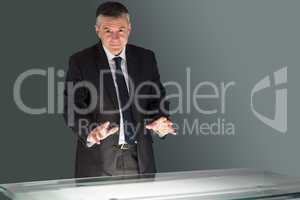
149,126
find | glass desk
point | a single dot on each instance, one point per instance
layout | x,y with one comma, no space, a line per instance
185,185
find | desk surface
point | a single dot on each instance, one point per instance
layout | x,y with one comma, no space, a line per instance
188,185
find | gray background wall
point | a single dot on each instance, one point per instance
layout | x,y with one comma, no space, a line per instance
219,40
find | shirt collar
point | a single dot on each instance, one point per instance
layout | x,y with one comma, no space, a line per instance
110,56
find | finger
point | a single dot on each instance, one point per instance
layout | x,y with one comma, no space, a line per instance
169,122
103,129
162,119
170,126
168,130
98,135
158,123
164,130
173,132
95,134
96,138
104,125
164,125
93,138
148,126
112,131
156,127
164,122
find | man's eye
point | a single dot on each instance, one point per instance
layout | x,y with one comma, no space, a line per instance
121,30
107,31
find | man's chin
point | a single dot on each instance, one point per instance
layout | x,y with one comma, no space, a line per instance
116,50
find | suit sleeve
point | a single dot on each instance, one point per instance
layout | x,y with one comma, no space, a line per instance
79,123
160,103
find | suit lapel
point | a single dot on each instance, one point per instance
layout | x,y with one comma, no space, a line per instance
103,66
132,65
133,72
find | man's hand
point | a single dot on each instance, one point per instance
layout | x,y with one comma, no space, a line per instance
100,133
162,127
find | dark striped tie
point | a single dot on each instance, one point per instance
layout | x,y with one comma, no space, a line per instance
124,99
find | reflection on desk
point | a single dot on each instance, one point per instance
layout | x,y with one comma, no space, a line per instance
187,185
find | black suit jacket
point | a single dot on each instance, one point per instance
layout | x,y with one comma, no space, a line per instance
86,65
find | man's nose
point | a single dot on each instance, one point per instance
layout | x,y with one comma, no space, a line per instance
115,35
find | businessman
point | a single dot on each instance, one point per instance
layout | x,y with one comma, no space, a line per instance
114,100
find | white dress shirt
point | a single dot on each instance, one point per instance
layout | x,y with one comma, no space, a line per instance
112,66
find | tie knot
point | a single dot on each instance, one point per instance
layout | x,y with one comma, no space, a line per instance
117,60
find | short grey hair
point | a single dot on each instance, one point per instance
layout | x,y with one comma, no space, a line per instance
98,21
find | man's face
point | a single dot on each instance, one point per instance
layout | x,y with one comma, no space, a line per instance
114,32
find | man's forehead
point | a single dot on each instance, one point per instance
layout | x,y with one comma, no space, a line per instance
113,25
114,21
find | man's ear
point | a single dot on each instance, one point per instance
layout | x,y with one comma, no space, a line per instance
96,29
129,29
